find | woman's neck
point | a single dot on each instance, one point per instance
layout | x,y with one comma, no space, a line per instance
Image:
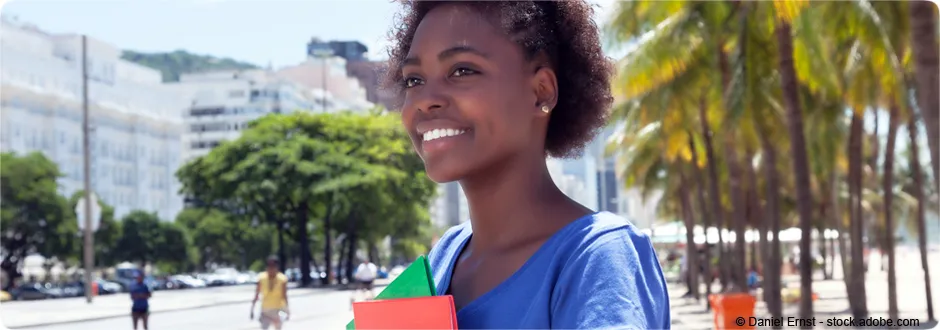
510,201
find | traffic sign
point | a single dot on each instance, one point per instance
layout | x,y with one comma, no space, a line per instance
95,213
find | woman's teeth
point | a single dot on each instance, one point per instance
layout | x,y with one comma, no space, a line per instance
442,132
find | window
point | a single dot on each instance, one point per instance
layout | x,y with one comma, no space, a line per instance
61,137
236,94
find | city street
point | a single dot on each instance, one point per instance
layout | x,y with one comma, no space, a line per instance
228,307
221,308
323,309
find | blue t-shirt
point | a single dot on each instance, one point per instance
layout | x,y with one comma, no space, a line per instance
598,272
139,288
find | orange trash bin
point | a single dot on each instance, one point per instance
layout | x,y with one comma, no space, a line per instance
731,308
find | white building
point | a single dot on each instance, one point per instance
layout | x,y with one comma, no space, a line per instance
222,103
136,137
330,74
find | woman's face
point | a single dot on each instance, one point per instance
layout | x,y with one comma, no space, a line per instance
470,100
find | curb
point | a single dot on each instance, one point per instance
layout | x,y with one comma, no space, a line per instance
314,291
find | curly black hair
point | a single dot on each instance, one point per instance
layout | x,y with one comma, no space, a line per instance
562,30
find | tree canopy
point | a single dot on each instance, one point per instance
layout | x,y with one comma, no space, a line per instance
34,217
354,172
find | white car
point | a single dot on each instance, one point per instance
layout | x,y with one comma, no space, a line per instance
188,280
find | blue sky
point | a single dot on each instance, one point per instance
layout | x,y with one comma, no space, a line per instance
256,31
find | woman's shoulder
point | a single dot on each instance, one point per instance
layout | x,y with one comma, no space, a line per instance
603,232
606,263
449,244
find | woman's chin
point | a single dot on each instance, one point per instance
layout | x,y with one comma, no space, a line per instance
442,174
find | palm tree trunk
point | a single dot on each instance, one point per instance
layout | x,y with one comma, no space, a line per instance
804,198
921,222
888,180
714,192
836,219
927,63
691,258
857,295
706,218
738,257
823,215
772,274
759,247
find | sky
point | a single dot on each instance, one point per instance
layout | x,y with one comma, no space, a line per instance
256,31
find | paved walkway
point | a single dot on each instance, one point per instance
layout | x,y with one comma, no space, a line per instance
20,314
832,301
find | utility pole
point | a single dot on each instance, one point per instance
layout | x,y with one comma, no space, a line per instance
89,255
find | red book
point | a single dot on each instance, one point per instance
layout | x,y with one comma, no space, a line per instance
436,312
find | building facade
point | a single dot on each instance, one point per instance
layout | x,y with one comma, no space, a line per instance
222,103
136,127
329,74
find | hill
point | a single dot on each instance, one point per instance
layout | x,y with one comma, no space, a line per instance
178,62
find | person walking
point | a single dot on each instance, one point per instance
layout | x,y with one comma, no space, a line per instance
272,287
365,274
140,295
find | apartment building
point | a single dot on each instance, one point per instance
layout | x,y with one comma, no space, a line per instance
222,103
136,136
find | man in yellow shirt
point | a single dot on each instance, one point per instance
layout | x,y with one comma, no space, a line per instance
272,286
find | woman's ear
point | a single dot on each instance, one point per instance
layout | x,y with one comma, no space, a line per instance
545,84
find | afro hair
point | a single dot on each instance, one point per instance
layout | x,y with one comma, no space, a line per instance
562,30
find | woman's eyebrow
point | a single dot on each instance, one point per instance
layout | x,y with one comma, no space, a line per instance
446,54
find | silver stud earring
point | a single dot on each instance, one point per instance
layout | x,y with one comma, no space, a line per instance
546,109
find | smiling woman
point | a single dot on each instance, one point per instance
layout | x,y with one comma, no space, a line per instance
487,91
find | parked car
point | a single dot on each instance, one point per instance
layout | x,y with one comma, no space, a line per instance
108,287
53,291
29,291
5,296
74,289
184,282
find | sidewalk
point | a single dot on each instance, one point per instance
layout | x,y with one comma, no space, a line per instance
832,302
22,314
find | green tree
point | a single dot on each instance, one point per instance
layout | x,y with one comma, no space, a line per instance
33,216
218,238
173,253
140,234
148,240
337,168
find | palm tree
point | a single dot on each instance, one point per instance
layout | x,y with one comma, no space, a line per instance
918,179
923,18
678,40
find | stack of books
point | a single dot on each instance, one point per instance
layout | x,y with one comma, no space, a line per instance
409,302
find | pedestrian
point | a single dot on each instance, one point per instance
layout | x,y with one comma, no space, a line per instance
365,276
140,295
272,287
488,90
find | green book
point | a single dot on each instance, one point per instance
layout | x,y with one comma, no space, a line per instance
415,281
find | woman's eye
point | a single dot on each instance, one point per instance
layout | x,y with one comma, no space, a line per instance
460,72
412,82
